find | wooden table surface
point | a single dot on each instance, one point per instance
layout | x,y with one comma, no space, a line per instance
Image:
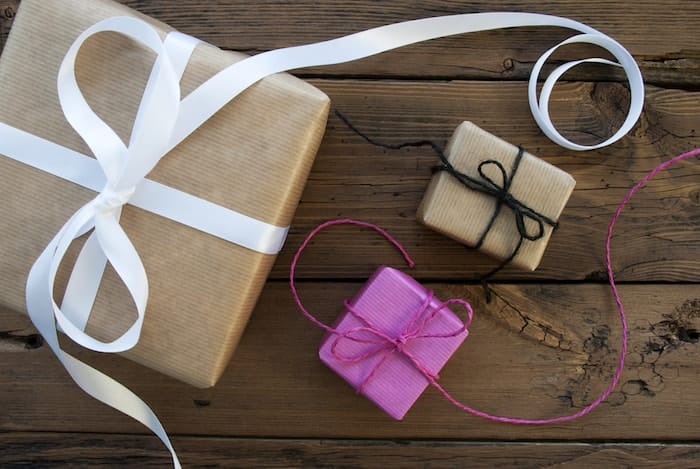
547,343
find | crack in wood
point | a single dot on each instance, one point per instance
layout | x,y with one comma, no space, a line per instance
600,358
596,276
595,359
678,329
535,329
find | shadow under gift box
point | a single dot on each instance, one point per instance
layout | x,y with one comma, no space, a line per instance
390,301
253,157
462,214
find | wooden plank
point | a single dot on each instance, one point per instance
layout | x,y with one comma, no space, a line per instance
656,240
536,351
68,450
656,33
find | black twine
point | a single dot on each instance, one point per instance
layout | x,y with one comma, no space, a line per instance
485,185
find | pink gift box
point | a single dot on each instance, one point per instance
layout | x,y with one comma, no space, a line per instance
380,346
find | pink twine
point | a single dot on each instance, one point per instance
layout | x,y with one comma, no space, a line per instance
385,343
295,260
389,345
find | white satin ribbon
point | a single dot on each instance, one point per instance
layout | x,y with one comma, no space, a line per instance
207,99
163,121
152,196
123,167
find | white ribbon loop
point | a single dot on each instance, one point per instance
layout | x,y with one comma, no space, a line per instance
124,167
540,109
206,100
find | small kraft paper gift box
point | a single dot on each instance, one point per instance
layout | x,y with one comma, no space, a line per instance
494,196
252,157
394,335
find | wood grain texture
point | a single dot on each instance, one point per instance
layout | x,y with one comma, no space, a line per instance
656,33
47,450
545,346
536,351
8,9
656,240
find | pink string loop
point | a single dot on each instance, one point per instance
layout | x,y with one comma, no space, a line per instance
389,345
307,240
370,334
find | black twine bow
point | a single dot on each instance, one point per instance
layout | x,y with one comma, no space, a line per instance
486,185
501,192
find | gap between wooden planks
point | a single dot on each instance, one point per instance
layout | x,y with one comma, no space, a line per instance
59,449
656,242
275,382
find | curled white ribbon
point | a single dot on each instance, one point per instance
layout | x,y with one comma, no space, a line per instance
205,101
124,167
163,121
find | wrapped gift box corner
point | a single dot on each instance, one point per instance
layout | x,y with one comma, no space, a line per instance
252,157
390,300
463,214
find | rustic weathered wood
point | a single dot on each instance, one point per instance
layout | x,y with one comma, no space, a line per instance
535,351
656,33
538,350
657,239
119,451
8,9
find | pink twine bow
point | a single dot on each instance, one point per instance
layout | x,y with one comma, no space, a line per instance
388,344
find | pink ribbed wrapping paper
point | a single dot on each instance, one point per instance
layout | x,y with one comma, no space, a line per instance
390,300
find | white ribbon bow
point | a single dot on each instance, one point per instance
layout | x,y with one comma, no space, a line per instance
124,167
162,122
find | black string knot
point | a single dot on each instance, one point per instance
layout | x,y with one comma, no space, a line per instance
500,190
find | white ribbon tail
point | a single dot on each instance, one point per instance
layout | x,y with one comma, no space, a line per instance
93,382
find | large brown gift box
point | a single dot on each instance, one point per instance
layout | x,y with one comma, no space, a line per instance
465,214
253,157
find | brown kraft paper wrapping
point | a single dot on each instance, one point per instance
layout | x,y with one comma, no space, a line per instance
463,214
253,157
